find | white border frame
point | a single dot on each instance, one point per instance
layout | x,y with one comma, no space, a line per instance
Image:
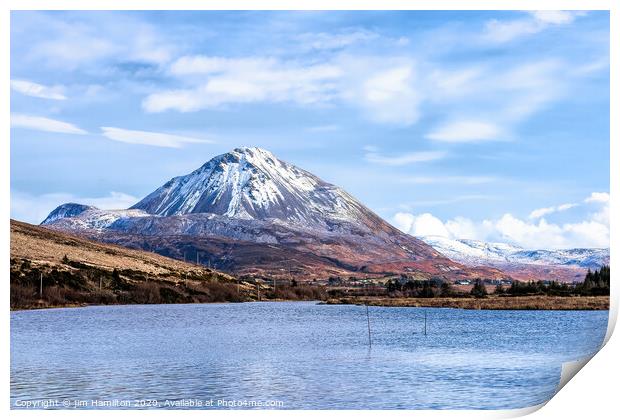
592,395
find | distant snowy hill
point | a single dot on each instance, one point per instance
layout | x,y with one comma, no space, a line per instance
474,253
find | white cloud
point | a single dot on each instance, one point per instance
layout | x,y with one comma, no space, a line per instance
324,128
538,213
44,124
500,31
466,131
244,80
423,225
467,180
86,41
496,100
591,232
383,88
404,159
556,17
447,84
598,197
35,208
594,198
38,91
390,97
148,138
331,41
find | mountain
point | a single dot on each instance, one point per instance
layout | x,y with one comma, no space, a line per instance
248,212
564,264
66,210
251,183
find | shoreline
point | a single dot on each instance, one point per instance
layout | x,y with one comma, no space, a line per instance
85,305
542,303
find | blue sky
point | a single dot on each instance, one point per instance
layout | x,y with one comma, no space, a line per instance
483,125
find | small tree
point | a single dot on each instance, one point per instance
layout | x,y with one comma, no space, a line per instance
65,259
446,289
116,279
478,291
499,290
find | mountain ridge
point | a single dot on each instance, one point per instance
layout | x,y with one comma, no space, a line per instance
252,213
521,263
248,195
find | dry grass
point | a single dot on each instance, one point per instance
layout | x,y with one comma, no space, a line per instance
98,273
47,247
491,302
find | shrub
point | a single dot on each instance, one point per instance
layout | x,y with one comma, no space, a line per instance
478,291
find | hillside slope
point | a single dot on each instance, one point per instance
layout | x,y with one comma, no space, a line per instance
78,271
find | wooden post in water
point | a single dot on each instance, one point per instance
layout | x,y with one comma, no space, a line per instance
41,286
368,320
258,291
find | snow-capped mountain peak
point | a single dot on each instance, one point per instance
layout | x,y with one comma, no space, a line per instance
251,183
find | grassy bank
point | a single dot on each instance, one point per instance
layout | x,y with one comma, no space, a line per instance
51,269
72,284
491,302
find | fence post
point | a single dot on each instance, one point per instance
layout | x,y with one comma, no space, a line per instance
368,320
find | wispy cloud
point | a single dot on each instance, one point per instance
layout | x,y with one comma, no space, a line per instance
32,122
149,138
244,80
487,104
383,88
500,31
538,213
387,94
598,197
404,159
451,200
466,131
36,90
324,128
84,42
463,180
332,41
594,198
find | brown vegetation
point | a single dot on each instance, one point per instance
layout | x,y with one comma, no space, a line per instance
76,271
491,302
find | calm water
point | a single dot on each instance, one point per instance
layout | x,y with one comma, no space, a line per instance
299,355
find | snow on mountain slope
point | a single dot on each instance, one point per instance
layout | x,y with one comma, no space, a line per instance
92,218
65,210
251,183
472,252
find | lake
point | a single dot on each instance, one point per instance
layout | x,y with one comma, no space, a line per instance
293,355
